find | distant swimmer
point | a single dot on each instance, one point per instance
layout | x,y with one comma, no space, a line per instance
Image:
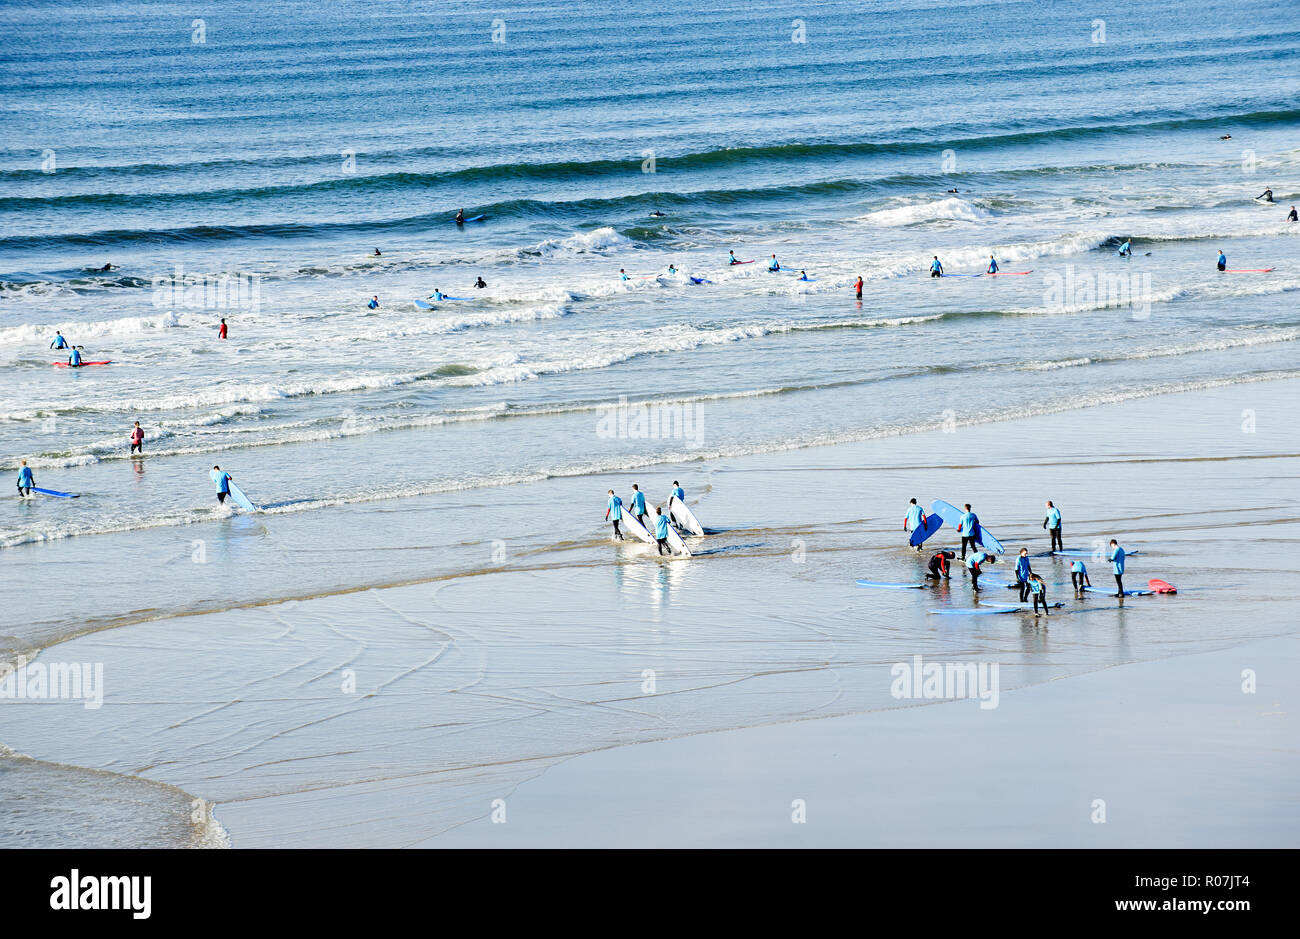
1266,195
221,479
1117,566
614,506
661,532
638,504
1226,137
221,330
936,267
137,439
657,214
731,258
973,565
374,303
1079,576
26,481
376,254
74,360
1038,590
1223,261
1126,249
1053,525
108,267
622,274
803,275
993,264
61,343
968,527
857,286
938,566
914,519
1023,573
480,283
952,190
460,217
1291,217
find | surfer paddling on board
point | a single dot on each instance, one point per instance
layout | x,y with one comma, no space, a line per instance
1291,216
1053,525
914,519
936,267
1023,573
221,479
1117,566
614,506
993,264
1223,261
26,481
938,566
137,438
1079,576
661,532
968,527
638,504
657,214
1266,195
973,565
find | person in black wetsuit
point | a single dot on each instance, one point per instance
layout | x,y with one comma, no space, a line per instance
1292,216
1266,195
939,565
480,283
460,216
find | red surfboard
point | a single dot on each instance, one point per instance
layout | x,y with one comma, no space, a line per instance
83,364
1161,586
1008,273
750,261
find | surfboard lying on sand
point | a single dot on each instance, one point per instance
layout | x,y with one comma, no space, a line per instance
870,583
56,493
239,498
680,513
1161,586
952,515
933,522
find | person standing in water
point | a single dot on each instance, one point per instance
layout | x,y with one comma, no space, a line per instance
1038,590
1079,576
374,303
973,565
26,481
377,254
221,479
1126,249
731,258
1023,573
857,285
1117,566
1053,525
1223,260
480,283
638,504
1266,195
936,267
914,519
622,274
221,330
137,439
59,342
1291,216
968,527
615,507
661,532
993,264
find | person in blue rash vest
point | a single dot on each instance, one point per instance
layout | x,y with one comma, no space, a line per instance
622,274
731,258
26,481
1223,261
1039,591
1126,249
661,532
993,264
968,527
936,267
437,294
1079,576
915,518
74,360
638,504
1023,573
803,275
774,265
614,507
1117,566
221,479
374,303
678,492
59,342
973,565
1053,525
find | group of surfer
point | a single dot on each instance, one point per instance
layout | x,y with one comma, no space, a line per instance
1030,584
614,509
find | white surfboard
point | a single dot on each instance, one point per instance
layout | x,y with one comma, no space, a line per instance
630,524
675,541
681,513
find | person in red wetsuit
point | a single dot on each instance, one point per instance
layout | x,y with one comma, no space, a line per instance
221,332
939,565
137,439
857,285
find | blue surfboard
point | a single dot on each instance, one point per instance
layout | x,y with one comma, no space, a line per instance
700,280
476,218
1084,553
933,522
871,583
57,494
240,499
425,305
980,610
1127,593
952,515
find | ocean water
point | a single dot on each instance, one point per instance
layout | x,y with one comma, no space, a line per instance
245,161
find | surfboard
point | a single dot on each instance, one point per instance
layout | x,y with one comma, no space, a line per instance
1127,593
630,523
871,583
425,305
476,218
1103,555
680,512
952,515
83,364
1161,586
445,297
239,498
675,541
734,263
979,610
1231,270
1006,273
933,522
56,493
700,280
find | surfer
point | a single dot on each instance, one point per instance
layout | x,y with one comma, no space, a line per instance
59,342
973,565
657,214
993,264
615,505
936,267
952,190
803,275
376,254
661,532
460,217
1053,525
774,265
480,283
1126,249
108,267
1117,566
1291,217
74,360
1226,137
221,479
968,527
914,519
1023,573
374,303
26,482
1039,591
437,294
731,258
638,504
1079,576
672,271
857,286
1266,195
137,439
622,274
1223,261
938,566
221,330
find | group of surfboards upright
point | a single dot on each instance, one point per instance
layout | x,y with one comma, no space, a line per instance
665,528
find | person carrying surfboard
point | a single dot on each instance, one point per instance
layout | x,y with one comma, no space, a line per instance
221,479
936,267
914,519
638,504
59,342
26,481
968,527
1079,576
615,506
661,532
1223,260
1053,525
1117,566
973,565
1023,573
938,566
993,264
137,438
